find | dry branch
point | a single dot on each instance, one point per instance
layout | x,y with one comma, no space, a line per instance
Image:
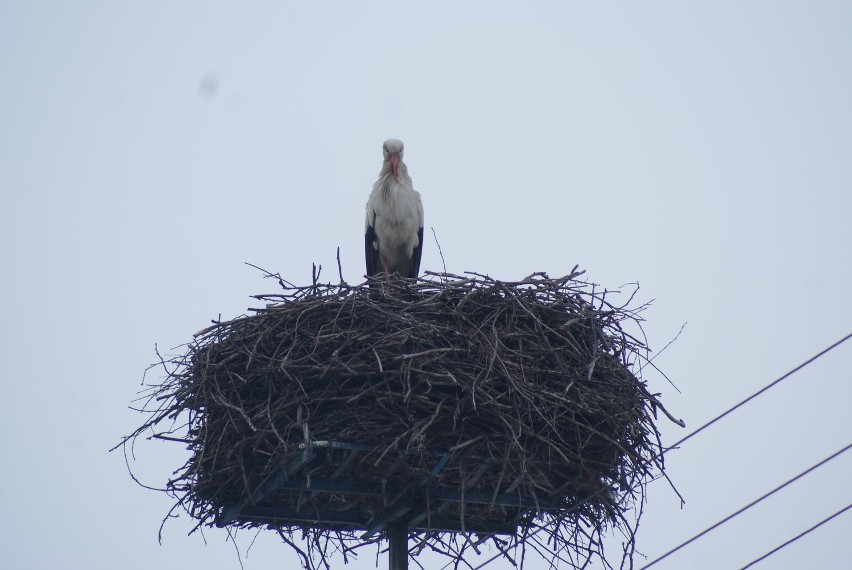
524,389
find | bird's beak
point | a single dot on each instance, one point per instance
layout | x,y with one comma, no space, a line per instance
394,158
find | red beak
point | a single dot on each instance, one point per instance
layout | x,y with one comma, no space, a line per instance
394,164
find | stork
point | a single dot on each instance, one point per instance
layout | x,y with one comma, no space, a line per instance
393,236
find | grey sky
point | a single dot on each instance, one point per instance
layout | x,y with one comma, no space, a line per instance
148,149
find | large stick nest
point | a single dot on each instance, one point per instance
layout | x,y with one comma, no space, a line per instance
452,386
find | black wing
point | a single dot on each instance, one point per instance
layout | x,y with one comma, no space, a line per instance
416,254
371,253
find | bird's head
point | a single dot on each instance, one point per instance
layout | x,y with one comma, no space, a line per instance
393,150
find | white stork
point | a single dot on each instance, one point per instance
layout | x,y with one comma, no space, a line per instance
394,225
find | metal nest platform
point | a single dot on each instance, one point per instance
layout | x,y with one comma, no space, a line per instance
320,487
455,411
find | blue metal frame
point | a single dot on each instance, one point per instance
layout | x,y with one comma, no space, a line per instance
409,505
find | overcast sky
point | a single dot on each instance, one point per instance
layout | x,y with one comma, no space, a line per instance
149,149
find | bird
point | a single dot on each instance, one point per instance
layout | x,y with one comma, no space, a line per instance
393,234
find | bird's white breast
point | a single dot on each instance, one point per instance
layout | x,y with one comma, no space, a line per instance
396,212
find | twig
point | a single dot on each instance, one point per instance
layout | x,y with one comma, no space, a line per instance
535,381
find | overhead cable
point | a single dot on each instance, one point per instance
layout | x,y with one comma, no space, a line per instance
759,392
797,537
747,507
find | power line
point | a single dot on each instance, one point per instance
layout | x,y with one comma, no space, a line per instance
761,391
706,425
748,506
797,537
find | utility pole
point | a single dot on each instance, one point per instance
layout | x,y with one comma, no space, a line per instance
398,545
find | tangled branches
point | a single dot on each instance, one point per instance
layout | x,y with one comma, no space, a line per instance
469,410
